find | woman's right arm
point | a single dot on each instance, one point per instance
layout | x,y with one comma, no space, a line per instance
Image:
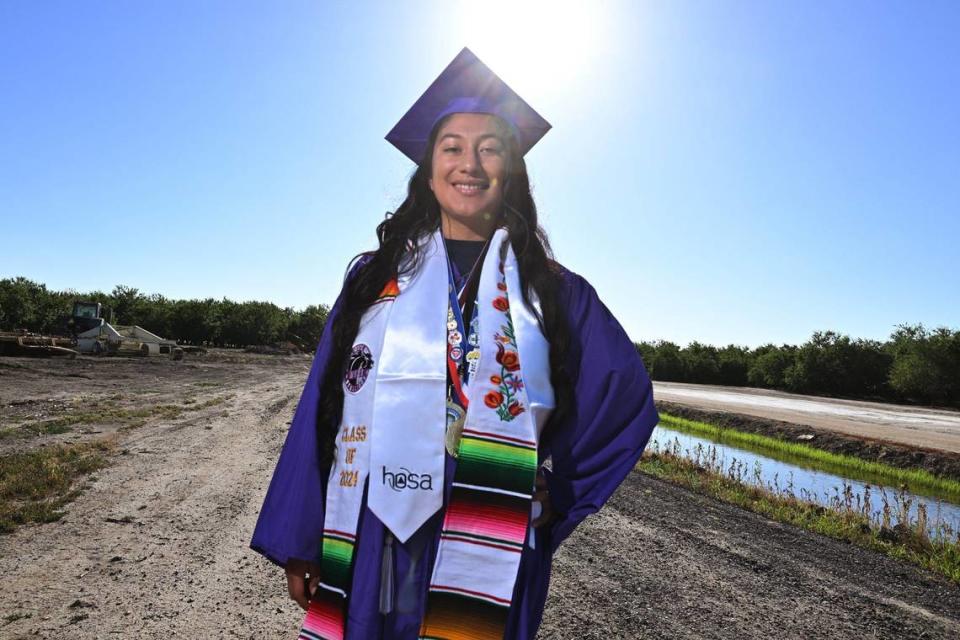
290,524
291,518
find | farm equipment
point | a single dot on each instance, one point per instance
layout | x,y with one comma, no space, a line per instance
93,334
22,343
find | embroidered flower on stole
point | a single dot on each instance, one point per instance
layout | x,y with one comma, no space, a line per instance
504,399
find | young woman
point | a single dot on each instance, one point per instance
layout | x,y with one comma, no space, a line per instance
471,401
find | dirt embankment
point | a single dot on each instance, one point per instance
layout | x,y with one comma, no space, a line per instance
661,563
942,463
157,545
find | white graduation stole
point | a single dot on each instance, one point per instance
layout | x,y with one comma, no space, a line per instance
410,410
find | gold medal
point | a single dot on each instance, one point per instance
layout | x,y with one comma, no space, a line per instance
455,419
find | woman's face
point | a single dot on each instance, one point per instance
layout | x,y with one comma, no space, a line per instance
469,168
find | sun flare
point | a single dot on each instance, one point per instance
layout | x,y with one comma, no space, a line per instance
537,46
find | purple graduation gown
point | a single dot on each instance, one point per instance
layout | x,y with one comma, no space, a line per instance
592,451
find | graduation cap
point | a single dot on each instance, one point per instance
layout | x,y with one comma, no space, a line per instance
466,86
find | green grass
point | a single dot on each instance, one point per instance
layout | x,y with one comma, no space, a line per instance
35,485
34,429
110,414
213,402
916,479
13,617
905,542
128,417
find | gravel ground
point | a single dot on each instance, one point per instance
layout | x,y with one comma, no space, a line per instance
157,546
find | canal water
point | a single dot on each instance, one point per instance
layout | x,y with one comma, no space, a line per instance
806,480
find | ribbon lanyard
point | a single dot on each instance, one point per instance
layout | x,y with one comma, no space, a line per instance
456,339
458,331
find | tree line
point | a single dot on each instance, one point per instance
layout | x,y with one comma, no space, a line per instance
915,365
25,304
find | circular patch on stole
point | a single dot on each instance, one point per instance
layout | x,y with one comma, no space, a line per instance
358,367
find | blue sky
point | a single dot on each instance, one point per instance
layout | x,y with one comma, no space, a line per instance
729,172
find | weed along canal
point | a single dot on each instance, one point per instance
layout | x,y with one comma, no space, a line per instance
889,498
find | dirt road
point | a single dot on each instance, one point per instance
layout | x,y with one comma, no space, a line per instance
157,547
913,426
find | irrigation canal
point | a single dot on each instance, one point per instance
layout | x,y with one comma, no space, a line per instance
805,480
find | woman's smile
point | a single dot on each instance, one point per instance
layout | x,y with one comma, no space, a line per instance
471,188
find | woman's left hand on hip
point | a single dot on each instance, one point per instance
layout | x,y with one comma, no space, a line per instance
542,495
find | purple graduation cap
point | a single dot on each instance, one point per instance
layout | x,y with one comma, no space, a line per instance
466,86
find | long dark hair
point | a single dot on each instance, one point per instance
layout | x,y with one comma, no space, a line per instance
420,214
